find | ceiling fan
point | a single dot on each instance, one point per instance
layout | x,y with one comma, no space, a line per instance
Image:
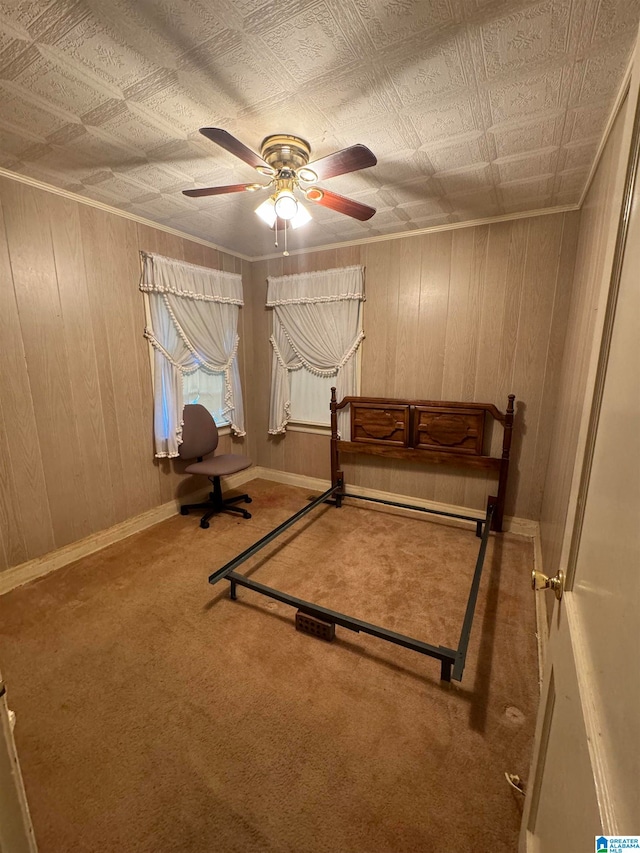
285,160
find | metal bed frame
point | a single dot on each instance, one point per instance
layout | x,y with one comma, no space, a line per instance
377,428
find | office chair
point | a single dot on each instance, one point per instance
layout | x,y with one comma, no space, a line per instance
199,438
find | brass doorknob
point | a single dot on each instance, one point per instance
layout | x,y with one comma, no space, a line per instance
540,581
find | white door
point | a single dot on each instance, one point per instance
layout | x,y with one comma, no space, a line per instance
585,780
16,832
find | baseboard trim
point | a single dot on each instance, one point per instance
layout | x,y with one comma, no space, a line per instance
41,566
520,526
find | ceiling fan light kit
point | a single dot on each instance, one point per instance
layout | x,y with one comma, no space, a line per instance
285,160
285,205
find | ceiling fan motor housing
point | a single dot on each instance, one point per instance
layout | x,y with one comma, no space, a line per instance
285,152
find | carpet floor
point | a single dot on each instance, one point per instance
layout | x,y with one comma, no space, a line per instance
155,715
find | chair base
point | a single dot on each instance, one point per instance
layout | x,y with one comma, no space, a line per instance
217,503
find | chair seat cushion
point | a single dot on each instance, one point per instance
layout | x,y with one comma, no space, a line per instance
219,466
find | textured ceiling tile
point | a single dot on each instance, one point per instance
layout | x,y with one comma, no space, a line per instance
465,180
93,48
30,116
160,178
359,95
528,37
520,168
437,74
13,42
244,77
451,119
424,207
613,17
133,128
91,146
415,191
523,98
527,137
159,209
390,21
457,156
34,14
15,143
474,205
179,113
310,43
585,123
523,205
402,166
384,139
602,74
59,85
572,182
522,190
56,19
117,186
59,161
577,156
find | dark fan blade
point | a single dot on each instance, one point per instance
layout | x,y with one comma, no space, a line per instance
348,160
234,146
340,203
232,188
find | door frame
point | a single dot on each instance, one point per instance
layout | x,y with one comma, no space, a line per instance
627,174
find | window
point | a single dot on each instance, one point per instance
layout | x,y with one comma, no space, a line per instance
317,330
310,397
208,390
192,321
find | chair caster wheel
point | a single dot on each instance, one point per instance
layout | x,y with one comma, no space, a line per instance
246,514
204,525
247,500
184,510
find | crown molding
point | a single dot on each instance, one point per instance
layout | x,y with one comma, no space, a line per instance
417,232
124,214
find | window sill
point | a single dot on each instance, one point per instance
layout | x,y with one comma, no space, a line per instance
313,429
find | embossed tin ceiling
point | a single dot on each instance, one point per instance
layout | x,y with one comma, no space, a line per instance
474,108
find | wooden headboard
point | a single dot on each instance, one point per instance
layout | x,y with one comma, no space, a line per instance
433,432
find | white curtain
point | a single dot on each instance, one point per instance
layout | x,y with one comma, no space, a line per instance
194,321
316,324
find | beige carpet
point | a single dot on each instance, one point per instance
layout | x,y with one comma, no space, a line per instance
156,715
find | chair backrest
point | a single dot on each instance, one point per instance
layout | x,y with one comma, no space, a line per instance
199,432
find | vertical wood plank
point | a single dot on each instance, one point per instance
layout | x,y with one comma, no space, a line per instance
543,252
22,485
83,367
32,262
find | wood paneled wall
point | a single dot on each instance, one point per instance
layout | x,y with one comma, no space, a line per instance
468,314
599,221
76,451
